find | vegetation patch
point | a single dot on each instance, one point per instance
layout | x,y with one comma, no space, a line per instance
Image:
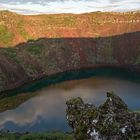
37,136
23,33
13,101
35,50
6,36
12,53
21,29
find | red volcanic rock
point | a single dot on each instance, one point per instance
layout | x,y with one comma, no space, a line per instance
97,24
66,42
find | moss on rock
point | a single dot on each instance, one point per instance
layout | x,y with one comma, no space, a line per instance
110,121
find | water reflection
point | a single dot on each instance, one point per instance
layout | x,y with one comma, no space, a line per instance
46,111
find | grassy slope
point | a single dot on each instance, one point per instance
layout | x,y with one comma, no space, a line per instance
12,102
37,136
16,28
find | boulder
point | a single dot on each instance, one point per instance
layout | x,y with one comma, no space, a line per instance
110,121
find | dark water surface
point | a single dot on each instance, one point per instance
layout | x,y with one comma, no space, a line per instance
46,111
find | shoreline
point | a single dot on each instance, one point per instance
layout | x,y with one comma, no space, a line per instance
73,74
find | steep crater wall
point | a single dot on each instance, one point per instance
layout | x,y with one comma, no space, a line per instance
33,60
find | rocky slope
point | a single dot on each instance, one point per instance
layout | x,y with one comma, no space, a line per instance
44,57
70,42
110,121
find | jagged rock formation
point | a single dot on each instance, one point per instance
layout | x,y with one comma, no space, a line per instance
110,121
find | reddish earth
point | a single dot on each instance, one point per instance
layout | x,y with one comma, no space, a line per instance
67,42
96,24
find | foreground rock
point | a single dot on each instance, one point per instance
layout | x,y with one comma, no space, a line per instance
110,121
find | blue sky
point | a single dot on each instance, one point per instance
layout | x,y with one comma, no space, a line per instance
68,6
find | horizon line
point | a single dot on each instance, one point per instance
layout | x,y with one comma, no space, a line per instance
119,12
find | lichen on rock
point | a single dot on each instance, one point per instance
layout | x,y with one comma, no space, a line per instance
110,121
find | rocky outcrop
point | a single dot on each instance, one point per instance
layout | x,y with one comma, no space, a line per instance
110,121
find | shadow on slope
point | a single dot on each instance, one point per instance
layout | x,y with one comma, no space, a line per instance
60,59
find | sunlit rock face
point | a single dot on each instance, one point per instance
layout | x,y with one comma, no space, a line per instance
110,121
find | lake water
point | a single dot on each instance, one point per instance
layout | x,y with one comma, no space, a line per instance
46,111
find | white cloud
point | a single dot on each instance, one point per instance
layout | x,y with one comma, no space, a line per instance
47,106
68,6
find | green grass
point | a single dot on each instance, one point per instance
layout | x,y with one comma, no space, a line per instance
64,20
35,50
14,101
21,29
6,36
24,34
37,136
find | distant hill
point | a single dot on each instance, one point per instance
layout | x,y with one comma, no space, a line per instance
15,28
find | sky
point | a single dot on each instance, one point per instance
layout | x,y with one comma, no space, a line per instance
28,7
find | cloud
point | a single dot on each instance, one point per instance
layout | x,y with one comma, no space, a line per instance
67,6
45,108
